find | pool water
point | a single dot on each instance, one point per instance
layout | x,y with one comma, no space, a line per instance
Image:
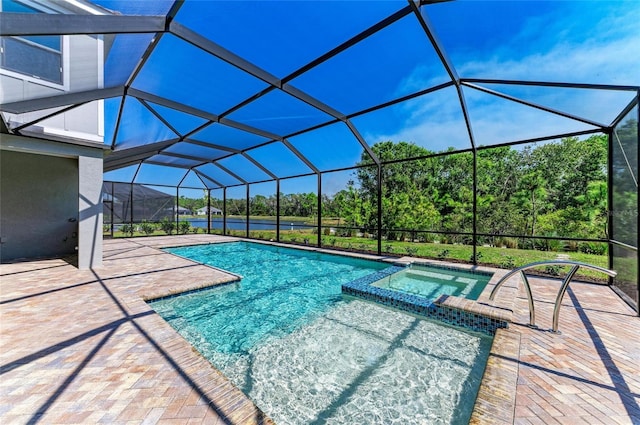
307,355
431,282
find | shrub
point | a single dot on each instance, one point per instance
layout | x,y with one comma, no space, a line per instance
346,233
443,254
548,245
508,262
475,258
411,251
428,237
167,226
147,228
594,248
511,243
184,227
388,248
552,270
195,229
127,229
326,231
571,246
332,241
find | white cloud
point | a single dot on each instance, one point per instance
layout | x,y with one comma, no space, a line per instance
616,62
549,50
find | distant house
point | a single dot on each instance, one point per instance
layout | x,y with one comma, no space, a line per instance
182,210
203,211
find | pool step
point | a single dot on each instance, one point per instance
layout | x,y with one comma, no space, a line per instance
424,275
421,274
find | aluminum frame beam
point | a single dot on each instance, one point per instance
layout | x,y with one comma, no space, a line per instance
21,24
205,176
259,165
427,26
164,164
220,52
231,173
135,154
44,117
551,84
352,41
139,94
160,117
210,145
535,105
32,105
182,156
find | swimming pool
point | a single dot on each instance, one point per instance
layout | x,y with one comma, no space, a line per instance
305,354
431,282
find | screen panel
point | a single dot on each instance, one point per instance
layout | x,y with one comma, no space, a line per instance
263,211
396,61
433,121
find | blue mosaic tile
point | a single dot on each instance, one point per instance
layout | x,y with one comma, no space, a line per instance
363,288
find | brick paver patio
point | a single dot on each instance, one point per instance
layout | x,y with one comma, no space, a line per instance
83,347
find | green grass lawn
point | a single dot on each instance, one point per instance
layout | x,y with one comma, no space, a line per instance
492,256
507,258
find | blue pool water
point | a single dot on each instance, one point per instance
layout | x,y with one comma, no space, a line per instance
307,355
431,282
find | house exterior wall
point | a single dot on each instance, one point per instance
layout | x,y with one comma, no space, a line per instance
38,205
50,200
90,212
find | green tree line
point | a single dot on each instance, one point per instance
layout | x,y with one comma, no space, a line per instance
551,189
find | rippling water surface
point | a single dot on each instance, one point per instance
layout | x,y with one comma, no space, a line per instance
306,355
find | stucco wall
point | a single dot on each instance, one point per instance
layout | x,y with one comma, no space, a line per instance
38,196
90,212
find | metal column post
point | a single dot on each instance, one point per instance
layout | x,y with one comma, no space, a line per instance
475,207
277,210
610,199
208,211
637,216
319,210
112,212
131,209
177,209
379,209
247,231
224,211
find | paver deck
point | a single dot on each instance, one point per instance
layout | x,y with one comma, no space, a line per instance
82,346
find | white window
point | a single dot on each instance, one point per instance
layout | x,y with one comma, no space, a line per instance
38,57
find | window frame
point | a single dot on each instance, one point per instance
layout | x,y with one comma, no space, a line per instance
63,84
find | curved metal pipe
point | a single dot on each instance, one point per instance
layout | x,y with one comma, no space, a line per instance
563,288
532,311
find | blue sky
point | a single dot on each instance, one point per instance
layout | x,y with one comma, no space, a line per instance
559,41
